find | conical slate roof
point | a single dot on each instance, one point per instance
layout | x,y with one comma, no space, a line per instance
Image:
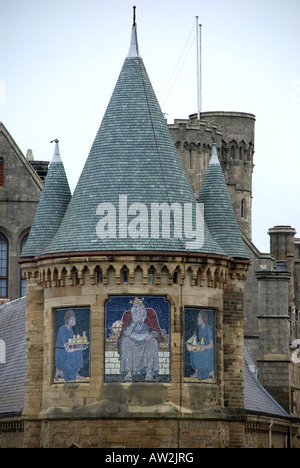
132,167
51,208
218,210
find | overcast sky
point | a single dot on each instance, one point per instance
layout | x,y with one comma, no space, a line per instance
60,60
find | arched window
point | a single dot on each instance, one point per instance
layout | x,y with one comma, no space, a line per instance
2,352
75,277
23,280
125,274
3,266
99,275
242,150
151,272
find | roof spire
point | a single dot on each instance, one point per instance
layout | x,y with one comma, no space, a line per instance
56,155
134,48
214,155
134,23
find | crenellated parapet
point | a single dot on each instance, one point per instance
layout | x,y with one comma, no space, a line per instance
119,270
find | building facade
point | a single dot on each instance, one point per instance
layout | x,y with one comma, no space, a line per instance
138,303
20,191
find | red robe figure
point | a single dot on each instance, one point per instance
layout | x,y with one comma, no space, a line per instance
138,342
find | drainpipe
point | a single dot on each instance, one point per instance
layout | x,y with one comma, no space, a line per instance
270,434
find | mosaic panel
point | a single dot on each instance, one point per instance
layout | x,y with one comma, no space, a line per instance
137,339
72,345
199,345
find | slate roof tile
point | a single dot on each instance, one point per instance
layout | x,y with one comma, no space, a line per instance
12,371
257,399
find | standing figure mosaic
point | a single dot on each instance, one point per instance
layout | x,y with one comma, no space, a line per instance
71,345
199,354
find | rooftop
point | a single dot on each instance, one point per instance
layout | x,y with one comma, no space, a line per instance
133,172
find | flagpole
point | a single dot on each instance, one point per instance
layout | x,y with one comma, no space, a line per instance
199,66
200,69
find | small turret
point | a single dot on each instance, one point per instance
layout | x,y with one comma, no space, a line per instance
218,211
53,203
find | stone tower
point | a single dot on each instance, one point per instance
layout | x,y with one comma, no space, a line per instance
278,319
134,333
233,134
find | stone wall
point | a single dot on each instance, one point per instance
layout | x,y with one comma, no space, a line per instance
274,363
260,432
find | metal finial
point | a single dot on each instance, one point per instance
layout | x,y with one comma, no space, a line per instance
134,8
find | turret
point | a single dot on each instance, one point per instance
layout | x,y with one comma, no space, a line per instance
218,211
53,203
153,296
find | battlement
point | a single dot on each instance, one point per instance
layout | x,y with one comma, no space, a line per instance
225,114
235,126
193,123
239,125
